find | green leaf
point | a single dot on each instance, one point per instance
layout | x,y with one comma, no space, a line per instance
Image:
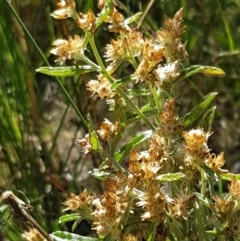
138,92
152,231
133,18
136,141
147,110
209,118
228,176
123,81
198,110
65,71
69,217
94,141
202,199
99,174
170,177
200,69
64,236
108,7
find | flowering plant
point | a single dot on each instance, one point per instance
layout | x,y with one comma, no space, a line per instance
164,183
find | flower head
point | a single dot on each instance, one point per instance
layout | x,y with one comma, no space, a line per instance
170,38
153,203
108,130
151,56
167,73
81,201
101,87
196,140
215,162
85,144
66,9
196,147
71,49
222,206
32,235
126,47
87,21
181,206
234,188
169,120
108,212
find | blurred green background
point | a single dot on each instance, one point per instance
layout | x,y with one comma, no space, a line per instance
38,153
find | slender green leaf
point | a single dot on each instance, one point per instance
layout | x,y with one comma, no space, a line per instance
65,236
136,141
69,217
202,199
138,92
133,18
65,71
170,177
76,223
228,176
99,174
200,69
198,110
152,231
94,141
209,118
123,81
104,13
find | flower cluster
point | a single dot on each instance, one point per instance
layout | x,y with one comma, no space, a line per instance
159,183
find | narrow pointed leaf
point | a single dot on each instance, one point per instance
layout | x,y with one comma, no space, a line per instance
94,141
123,81
69,217
228,176
136,141
65,71
198,110
202,199
65,236
170,177
99,174
133,18
200,69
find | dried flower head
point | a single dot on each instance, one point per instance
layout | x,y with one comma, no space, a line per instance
169,120
215,162
85,144
125,48
101,87
87,21
234,188
66,9
71,49
170,38
116,20
130,237
151,56
108,212
108,130
196,141
167,73
81,201
181,206
153,202
32,235
143,164
222,206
